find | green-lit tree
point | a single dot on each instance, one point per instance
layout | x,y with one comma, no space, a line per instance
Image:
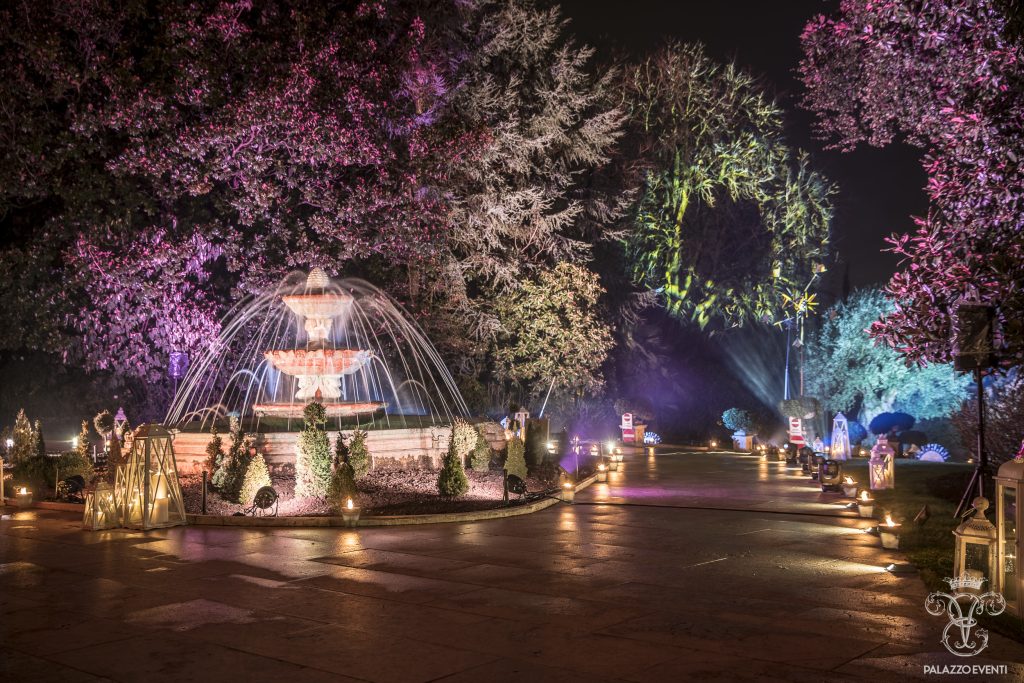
554,333
256,477
359,454
40,441
480,457
451,480
83,448
24,439
729,219
515,458
214,452
850,372
313,454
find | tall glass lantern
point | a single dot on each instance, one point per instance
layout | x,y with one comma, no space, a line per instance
146,489
1009,488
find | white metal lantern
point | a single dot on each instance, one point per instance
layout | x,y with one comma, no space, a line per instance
146,490
1008,578
881,467
976,546
100,509
840,438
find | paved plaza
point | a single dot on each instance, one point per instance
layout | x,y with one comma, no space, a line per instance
685,566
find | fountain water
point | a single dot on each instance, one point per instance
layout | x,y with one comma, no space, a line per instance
344,343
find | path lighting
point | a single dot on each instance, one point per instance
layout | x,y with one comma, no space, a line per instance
976,547
10,443
1009,489
551,446
613,465
602,473
350,513
610,448
568,492
714,444
100,511
889,532
866,505
849,487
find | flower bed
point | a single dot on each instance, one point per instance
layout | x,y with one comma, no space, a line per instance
387,492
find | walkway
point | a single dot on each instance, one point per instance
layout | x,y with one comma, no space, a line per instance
654,587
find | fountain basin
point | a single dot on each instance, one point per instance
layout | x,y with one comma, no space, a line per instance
300,362
333,409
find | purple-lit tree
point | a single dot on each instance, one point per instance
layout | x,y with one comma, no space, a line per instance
186,154
947,76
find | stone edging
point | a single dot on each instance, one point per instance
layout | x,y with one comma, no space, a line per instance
46,505
384,520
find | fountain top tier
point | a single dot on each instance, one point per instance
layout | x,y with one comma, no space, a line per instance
343,343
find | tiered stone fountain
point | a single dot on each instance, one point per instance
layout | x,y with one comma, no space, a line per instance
318,368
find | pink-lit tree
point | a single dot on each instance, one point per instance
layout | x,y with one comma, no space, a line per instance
947,76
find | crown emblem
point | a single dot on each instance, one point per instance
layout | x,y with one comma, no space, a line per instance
966,581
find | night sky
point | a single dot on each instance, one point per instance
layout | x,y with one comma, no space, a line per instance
879,190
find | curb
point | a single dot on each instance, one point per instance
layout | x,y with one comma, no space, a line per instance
383,520
46,505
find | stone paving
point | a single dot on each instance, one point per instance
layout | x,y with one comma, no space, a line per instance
641,580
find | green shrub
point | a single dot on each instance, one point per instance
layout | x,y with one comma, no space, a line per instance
359,454
214,452
38,473
451,480
313,455
536,444
480,457
256,477
463,438
342,486
515,460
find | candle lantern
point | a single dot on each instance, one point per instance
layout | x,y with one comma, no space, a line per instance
568,492
976,546
865,505
22,496
350,513
1008,577
602,472
840,448
889,533
849,487
881,467
100,510
146,489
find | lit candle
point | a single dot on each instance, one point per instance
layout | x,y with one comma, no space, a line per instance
348,504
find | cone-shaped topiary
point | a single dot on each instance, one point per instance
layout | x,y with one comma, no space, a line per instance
463,437
515,459
342,487
340,449
359,454
451,480
256,477
313,455
480,457
40,442
214,452
84,446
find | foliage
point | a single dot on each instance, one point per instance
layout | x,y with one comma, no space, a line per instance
256,477
535,446
463,437
515,460
313,454
104,423
943,431
341,452
236,461
542,118
84,446
342,486
891,423
737,419
169,155
359,454
640,408
214,452
480,457
1004,420
802,406
24,439
451,480
40,440
729,219
947,76
857,432
554,332
855,375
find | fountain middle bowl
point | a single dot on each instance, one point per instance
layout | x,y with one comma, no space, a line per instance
298,362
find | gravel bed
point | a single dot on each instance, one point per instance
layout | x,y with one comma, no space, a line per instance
385,492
